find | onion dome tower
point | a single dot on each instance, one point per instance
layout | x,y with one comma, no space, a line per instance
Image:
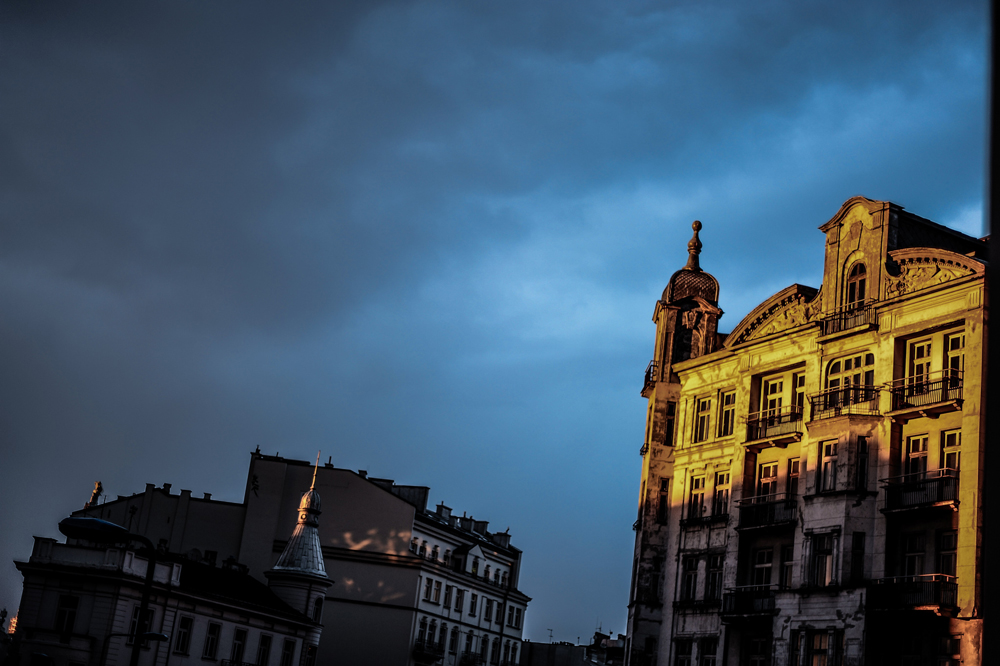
299,576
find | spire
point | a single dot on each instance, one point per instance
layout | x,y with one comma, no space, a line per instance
694,248
315,469
303,553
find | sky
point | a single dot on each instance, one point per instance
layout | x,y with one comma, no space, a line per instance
427,238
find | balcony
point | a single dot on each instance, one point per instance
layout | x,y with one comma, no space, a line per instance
918,491
427,652
748,601
928,395
767,511
848,318
859,399
934,592
652,375
774,427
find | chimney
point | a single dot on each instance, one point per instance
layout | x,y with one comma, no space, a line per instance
480,526
444,511
166,488
363,473
501,539
208,496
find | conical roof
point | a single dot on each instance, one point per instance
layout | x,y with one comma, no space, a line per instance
303,553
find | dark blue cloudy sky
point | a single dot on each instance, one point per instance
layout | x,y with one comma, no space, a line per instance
427,237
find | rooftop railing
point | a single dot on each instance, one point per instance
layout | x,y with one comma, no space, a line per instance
651,375
912,491
926,389
913,592
773,423
845,400
848,317
767,510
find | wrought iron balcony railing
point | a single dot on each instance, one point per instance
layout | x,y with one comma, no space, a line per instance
845,400
774,423
912,491
931,591
767,510
651,376
928,389
749,600
848,317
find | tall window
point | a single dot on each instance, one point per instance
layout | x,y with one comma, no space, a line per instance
488,610
663,502
822,560
858,557
473,603
318,609
861,475
785,575
182,637
432,632
951,449
134,629
443,634
287,652
263,650
696,504
948,552
773,394
517,618
713,579
447,596
913,554
759,652
428,588
856,279
459,598
854,376
707,650
767,479
437,593
727,416
920,365
689,579
720,503
669,425
763,559
819,648
211,640
239,644
703,419
916,454
683,647
954,358
793,477
828,466
453,641
66,614
799,389
422,630
495,654
468,643
510,615
434,553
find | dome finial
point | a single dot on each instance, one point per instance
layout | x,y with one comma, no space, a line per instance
694,248
315,469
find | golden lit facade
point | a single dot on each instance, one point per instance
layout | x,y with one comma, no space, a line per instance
823,503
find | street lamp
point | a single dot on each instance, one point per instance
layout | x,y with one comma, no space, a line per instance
101,531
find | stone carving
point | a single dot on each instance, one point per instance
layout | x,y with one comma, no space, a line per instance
921,272
790,312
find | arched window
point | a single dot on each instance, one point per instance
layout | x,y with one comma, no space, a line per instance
486,572
468,643
453,643
849,381
856,281
422,632
484,647
318,610
432,632
443,634
495,655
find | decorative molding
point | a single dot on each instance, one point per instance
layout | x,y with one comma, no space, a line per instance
921,268
790,308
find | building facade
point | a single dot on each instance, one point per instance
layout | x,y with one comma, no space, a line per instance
400,584
822,500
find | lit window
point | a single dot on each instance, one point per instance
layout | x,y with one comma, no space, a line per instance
919,366
856,279
828,466
767,479
954,361
696,505
727,417
720,503
916,455
703,419
822,560
793,477
951,450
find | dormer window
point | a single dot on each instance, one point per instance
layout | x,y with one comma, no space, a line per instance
856,282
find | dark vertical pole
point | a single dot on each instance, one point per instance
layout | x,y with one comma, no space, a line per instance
990,580
147,586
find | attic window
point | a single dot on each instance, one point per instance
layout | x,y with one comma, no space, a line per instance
856,280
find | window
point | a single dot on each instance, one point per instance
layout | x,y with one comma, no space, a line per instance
484,647
916,455
792,483
513,653
787,562
428,589
503,579
453,641
951,449
182,641
861,473
855,292
696,505
506,652
211,640
713,580
799,388
459,599
288,652
495,654
828,466
517,618
473,603
437,592
422,630
318,609
486,573
703,419
767,479
488,610
263,650
66,614
857,558
913,554
822,560
727,417
707,651
310,659
818,648
447,557
468,643
683,649
443,635
447,596
689,579
475,566
763,558
434,553
414,545
920,365
954,358
850,381
947,552
510,615
134,629
663,503
496,576
669,424
423,549
772,396
759,651
720,503
239,643
432,632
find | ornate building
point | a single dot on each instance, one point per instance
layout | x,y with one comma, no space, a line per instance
810,490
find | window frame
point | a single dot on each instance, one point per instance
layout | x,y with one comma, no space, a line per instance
727,413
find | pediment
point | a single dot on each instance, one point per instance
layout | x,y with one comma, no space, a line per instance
790,308
914,269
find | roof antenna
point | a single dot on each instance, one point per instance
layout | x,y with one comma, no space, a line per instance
315,469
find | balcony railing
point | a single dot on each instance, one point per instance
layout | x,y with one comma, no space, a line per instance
846,400
427,652
912,491
767,510
849,317
932,388
931,591
651,376
749,600
775,423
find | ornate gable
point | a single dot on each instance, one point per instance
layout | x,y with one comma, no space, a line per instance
914,269
790,308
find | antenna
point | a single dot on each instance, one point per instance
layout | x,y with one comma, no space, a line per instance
550,635
315,469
